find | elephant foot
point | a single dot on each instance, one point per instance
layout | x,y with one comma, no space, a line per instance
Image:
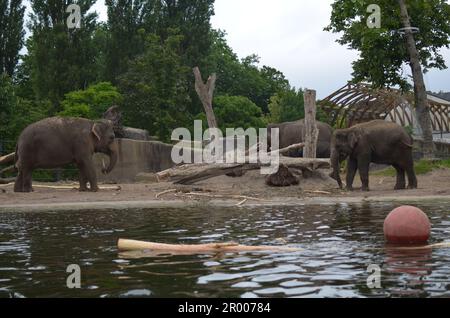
23,190
400,187
412,187
365,189
349,189
83,189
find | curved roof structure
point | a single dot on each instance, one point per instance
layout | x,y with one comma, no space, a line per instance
356,103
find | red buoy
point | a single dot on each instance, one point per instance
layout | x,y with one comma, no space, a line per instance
407,225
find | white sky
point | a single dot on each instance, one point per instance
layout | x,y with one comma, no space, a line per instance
288,35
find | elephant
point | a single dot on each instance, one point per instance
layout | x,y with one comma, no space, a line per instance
378,142
55,142
293,133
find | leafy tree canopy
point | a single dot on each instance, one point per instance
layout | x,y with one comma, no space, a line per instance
236,112
11,34
383,50
155,87
16,113
92,102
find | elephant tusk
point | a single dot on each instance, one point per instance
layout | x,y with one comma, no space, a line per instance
104,166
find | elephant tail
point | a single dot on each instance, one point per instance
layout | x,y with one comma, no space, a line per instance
16,157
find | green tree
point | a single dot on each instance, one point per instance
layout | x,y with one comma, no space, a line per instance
243,77
237,112
192,18
287,106
16,113
11,34
155,88
62,60
383,51
92,102
126,26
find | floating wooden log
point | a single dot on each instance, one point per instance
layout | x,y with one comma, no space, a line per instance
158,248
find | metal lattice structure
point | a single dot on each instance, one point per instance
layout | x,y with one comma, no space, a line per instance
356,103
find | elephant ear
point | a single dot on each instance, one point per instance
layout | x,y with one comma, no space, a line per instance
96,130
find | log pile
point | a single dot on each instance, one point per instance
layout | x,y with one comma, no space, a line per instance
192,173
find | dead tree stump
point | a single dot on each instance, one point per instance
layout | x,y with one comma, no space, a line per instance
311,132
283,178
206,93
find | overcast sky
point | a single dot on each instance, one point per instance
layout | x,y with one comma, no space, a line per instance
288,35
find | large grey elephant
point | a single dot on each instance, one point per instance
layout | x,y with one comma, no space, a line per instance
293,133
379,142
56,142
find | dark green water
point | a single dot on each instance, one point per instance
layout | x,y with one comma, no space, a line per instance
339,242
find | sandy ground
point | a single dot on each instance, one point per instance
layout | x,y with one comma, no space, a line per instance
230,191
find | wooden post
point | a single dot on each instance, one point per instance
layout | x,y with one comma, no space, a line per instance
311,131
205,93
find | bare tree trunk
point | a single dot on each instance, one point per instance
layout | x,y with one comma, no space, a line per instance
421,99
205,93
311,131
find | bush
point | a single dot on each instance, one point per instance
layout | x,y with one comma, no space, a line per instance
235,112
92,102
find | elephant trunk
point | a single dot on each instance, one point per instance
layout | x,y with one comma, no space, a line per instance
113,153
335,165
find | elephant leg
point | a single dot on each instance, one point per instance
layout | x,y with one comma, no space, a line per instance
87,174
363,167
412,179
401,183
23,181
352,167
83,179
91,176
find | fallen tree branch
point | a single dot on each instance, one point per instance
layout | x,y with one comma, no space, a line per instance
318,192
286,150
242,202
219,196
131,245
7,159
165,192
191,173
6,182
9,169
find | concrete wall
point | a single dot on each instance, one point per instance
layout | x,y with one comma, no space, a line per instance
136,157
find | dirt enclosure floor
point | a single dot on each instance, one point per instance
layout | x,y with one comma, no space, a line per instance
249,189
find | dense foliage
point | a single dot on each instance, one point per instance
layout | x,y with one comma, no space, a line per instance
382,50
140,59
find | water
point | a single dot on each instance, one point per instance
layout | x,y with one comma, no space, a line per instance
339,242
